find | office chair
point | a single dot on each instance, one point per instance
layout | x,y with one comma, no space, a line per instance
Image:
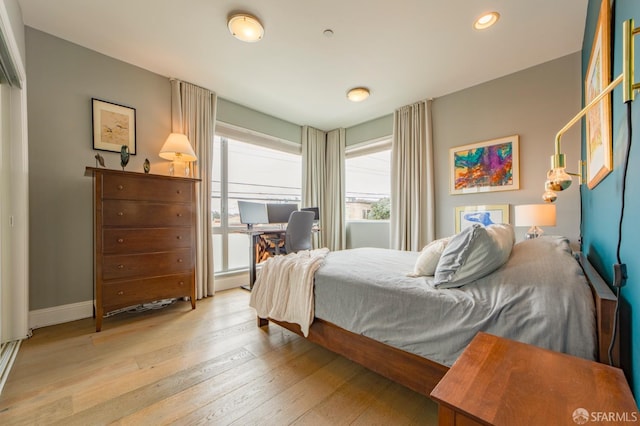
298,234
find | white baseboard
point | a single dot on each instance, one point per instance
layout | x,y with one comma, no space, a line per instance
60,314
231,281
75,311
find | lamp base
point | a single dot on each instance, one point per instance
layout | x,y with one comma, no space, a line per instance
534,232
174,166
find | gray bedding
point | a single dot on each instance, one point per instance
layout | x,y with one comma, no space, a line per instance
540,296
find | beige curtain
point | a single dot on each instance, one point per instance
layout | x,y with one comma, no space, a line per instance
334,223
313,175
412,190
193,113
323,183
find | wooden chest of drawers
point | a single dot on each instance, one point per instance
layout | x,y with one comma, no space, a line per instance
144,239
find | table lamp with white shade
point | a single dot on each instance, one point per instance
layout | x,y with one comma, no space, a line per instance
535,215
178,149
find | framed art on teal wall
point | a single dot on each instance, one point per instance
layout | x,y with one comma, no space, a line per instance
598,119
485,166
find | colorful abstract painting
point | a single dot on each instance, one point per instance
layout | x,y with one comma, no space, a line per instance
485,166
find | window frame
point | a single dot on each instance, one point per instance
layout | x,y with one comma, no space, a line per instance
368,147
384,143
226,132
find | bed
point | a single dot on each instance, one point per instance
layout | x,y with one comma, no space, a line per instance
411,332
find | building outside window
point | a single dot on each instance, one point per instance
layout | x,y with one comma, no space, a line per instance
368,185
250,172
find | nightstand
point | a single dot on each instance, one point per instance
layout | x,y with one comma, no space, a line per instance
497,381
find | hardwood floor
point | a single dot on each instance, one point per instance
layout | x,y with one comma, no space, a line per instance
211,365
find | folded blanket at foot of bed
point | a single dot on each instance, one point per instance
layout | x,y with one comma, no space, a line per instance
284,289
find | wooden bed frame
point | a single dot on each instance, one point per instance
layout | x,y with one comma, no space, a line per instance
422,375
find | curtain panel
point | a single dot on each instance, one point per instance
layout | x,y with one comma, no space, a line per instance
323,183
313,175
412,188
335,235
193,112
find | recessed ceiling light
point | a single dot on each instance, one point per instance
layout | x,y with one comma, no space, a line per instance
358,94
486,20
245,27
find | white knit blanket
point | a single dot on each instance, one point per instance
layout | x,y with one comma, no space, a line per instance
284,288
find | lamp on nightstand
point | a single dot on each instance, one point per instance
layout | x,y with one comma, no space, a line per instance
535,215
178,149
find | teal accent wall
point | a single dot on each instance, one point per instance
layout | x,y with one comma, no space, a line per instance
602,205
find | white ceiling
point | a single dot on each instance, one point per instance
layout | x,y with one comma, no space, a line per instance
403,50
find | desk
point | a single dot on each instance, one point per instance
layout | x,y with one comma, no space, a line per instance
254,235
496,381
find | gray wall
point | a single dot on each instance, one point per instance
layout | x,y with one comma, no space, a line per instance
62,79
238,115
370,130
535,104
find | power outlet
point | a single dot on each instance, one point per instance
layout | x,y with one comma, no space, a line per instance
619,275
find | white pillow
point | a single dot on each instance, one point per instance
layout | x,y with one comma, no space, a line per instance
473,253
429,257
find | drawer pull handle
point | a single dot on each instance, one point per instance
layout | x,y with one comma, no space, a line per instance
179,260
179,237
120,187
121,266
121,240
179,191
120,293
181,283
179,214
120,213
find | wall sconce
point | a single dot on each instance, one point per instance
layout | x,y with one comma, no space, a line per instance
535,215
178,149
558,179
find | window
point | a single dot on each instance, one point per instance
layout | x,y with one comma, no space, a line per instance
368,183
246,171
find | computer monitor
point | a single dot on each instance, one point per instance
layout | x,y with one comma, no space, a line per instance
315,210
252,213
279,213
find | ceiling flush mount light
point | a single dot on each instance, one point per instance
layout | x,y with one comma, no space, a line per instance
358,94
245,27
486,20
